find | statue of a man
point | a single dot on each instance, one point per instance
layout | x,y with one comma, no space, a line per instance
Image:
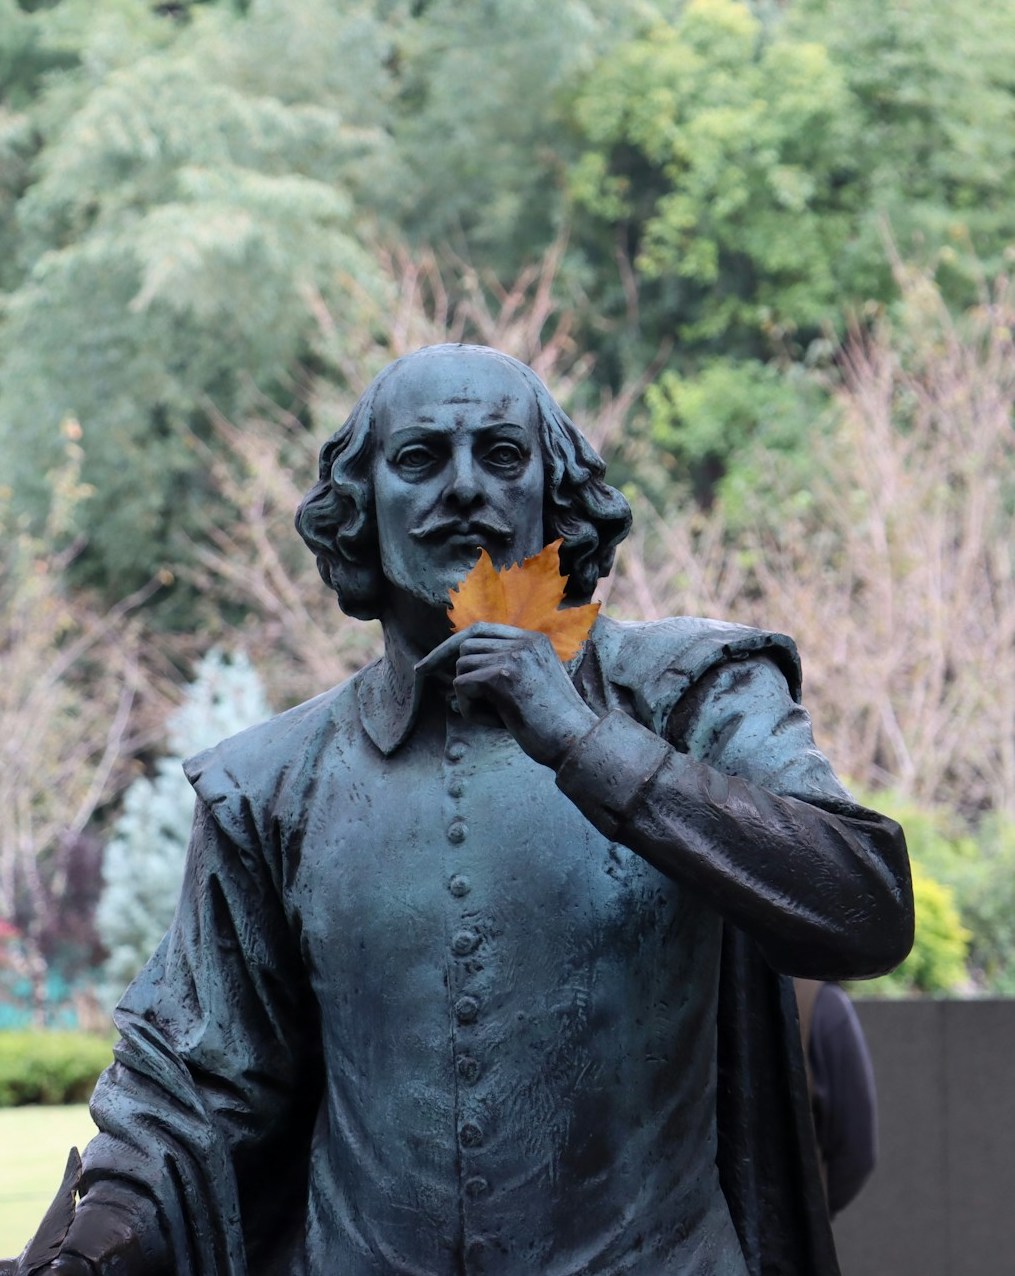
473,969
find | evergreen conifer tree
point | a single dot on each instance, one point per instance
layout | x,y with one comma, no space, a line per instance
143,863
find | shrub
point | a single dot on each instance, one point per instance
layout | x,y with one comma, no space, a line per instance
50,1067
974,862
981,875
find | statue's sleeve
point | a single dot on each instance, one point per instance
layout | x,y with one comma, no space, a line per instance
735,801
205,1114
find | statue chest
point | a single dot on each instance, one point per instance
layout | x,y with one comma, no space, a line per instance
455,869
517,1015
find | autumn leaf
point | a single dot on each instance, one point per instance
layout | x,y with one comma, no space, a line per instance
527,595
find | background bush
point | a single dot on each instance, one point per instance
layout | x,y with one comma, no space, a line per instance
50,1067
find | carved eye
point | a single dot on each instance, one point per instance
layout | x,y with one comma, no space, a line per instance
505,455
414,457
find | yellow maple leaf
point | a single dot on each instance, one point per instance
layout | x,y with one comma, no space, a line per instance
527,595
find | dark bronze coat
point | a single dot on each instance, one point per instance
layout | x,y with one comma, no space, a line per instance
421,1013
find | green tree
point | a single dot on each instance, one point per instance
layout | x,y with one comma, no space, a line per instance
984,886
479,122
932,84
976,865
192,197
29,48
32,47
714,156
746,176
713,174
964,879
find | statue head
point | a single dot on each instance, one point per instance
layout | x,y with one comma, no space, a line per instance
359,547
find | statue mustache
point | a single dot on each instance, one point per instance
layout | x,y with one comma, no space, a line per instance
435,528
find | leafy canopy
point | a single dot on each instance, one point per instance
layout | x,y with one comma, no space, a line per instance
192,196
747,177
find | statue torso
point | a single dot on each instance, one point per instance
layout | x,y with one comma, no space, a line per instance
517,1019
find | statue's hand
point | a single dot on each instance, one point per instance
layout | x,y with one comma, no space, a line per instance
42,1253
94,1236
518,675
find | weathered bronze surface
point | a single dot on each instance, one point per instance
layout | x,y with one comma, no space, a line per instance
474,969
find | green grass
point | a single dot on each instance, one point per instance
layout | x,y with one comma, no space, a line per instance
34,1142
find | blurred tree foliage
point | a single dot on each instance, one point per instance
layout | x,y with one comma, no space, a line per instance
937,962
741,178
189,190
80,697
715,156
735,235
182,183
480,119
964,879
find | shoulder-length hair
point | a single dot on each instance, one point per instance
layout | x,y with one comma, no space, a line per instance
336,517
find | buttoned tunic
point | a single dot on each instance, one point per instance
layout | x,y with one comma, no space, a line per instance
478,998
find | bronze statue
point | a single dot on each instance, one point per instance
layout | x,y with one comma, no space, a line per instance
474,967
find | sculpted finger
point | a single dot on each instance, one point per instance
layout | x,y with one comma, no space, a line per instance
442,656
485,629
490,648
475,664
483,678
446,653
520,640
476,702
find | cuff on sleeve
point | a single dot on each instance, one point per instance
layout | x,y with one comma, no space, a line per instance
604,772
118,1231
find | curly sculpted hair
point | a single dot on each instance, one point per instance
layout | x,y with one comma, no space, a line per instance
336,517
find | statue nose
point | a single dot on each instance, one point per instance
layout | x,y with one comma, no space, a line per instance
464,486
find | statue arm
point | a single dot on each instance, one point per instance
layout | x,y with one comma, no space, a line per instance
738,804
214,1078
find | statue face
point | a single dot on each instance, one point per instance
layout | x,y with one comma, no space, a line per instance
458,466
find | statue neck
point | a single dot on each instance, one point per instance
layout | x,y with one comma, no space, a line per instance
413,626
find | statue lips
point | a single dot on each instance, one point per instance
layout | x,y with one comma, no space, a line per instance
456,534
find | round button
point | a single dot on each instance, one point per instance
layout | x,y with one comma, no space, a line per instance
477,1186
466,1009
458,831
456,788
459,886
475,1252
464,942
470,1135
455,751
468,1068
